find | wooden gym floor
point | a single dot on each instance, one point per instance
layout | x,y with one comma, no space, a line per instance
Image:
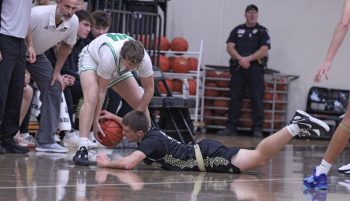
42,176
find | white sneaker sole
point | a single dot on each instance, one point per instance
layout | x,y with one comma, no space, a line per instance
50,150
70,144
345,169
314,120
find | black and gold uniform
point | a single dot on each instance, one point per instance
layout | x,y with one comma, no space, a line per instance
170,154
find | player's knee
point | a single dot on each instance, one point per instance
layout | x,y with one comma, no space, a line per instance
262,163
261,159
91,99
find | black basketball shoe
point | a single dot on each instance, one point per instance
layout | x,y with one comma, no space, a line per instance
81,157
309,126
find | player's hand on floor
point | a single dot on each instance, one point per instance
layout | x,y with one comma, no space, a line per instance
102,160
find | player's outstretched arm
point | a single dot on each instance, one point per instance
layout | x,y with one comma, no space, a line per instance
127,163
337,39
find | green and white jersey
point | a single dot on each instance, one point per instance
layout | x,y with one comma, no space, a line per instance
103,55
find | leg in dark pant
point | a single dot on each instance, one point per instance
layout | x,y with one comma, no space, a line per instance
116,104
12,69
77,94
238,88
256,92
69,100
114,101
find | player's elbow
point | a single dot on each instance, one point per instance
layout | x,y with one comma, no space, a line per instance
344,25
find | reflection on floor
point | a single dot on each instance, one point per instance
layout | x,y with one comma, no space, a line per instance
41,176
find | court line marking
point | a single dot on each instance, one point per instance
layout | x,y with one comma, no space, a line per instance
159,183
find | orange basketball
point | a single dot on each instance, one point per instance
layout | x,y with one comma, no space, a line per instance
171,61
211,92
268,86
177,85
211,73
268,96
192,86
221,104
164,43
281,85
164,63
179,44
224,83
193,63
113,132
180,65
162,87
208,113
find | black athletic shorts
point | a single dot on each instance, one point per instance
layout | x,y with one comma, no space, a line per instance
217,157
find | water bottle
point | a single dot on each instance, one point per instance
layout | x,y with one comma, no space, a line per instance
185,88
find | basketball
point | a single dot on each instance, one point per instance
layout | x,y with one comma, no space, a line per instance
221,105
211,92
208,113
192,86
268,96
193,63
164,63
177,85
281,85
164,43
180,65
113,132
224,83
211,73
179,44
162,88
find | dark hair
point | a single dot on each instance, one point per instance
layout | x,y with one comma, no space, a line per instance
102,18
136,121
252,7
133,51
84,15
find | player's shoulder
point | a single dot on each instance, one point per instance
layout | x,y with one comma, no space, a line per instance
74,20
240,26
262,28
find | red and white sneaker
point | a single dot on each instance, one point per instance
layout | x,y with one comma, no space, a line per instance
24,141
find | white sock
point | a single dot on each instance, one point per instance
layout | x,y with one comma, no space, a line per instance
83,141
323,168
293,129
25,134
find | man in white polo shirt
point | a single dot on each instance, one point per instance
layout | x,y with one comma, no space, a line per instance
50,25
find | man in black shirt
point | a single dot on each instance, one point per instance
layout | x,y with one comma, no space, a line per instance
208,155
248,46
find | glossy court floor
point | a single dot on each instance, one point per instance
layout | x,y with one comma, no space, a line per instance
40,176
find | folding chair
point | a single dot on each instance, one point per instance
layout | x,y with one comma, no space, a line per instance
174,115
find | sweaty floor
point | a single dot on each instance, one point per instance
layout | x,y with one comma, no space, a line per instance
41,176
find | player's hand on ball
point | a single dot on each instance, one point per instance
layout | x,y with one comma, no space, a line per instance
106,115
98,129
